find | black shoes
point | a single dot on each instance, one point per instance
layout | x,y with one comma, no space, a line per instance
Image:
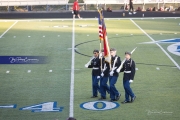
94,96
124,102
132,99
118,97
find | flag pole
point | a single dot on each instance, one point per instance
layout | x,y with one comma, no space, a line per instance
101,53
100,44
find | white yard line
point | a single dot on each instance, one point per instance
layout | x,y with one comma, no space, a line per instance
8,29
175,63
71,104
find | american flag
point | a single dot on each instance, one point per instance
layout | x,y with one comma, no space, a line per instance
101,25
103,37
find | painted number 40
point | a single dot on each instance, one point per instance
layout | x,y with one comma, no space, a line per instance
42,107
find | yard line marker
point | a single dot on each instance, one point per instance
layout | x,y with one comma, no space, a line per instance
72,48
29,71
137,69
29,36
175,63
71,103
64,26
56,26
8,29
44,36
157,68
87,35
175,33
116,34
7,71
8,106
50,70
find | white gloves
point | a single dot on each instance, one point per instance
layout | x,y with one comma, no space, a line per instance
102,74
86,65
130,81
98,77
117,70
111,73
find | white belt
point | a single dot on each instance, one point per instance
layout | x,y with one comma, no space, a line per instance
94,68
127,71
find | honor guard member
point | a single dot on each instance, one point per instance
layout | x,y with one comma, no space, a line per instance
129,72
104,77
115,63
94,63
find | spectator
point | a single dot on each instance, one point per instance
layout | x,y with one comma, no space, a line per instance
76,9
161,9
109,9
139,9
126,7
154,9
170,8
178,9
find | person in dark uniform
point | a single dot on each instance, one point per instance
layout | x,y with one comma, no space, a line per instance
131,7
129,73
115,63
104,77
94,63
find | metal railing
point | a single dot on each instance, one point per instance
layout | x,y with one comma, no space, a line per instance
32,2
127,1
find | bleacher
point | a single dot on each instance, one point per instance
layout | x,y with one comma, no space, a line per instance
32,2
86,4
127,1
135,2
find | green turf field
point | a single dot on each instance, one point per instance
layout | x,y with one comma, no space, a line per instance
29,86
